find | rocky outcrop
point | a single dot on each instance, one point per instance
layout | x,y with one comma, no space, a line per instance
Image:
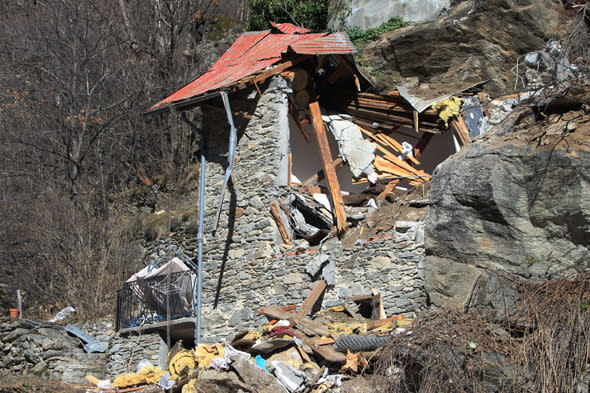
478,40
518,203
371,13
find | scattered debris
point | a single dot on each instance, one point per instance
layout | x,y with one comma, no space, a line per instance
92,344
63,314
300,349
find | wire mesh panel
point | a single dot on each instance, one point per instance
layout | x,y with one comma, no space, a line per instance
155,299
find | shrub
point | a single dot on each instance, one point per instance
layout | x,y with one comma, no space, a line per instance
312,14
359,36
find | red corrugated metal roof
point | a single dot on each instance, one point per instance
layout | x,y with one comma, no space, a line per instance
288,28
254,51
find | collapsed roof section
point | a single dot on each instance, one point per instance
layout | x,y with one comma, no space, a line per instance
322,72
254,57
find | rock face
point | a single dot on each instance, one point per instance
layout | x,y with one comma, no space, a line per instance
510,205
371,13
478,40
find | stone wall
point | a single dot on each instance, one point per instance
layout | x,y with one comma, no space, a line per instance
46,350
256,272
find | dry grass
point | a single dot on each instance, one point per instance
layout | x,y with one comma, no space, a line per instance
540,347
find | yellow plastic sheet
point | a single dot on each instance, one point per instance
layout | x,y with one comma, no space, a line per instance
448,108
149,375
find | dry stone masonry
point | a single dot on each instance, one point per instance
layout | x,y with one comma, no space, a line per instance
256,272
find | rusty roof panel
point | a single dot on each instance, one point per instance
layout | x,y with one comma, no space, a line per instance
255,51
288,28
336,43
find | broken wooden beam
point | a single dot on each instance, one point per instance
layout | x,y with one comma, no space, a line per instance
421,145
305,324
261,77
295,116
320,175
460,128
274,210
326,155
311,299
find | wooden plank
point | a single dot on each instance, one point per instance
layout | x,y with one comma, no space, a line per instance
389,141
383,164
381,322
320,175
392,128
311,299
378,311
350,311
327,352
305,324
279,68
383,150
304,355
274,210
459,126
416,125
421,145
322,340
326,155
392,185
295,116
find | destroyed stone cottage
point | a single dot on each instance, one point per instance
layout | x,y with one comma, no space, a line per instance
271,223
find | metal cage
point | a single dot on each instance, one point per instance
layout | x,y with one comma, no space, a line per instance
156,299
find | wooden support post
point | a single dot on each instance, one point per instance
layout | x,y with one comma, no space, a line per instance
326,154
416,125
19,304
320,175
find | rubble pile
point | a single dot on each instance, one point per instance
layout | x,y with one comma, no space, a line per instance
45,349
300,349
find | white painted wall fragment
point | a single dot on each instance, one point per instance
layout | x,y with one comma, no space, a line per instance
354,149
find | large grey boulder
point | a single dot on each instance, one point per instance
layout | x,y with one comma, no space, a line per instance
506,204
477,40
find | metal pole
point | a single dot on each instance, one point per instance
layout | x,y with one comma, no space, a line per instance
233,140
200,242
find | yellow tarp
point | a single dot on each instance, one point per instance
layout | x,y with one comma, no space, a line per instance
149,375
448,108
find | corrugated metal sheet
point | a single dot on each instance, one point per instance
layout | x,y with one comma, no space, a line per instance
288,28
254,52
336,43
